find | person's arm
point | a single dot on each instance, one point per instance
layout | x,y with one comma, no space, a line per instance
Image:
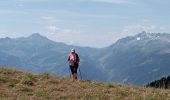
68,59
78,59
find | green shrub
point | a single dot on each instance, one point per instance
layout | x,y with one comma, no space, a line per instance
28,79
46,75
110,85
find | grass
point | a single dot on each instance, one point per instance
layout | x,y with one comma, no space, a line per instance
18,85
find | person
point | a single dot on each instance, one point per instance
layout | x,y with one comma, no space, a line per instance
73,60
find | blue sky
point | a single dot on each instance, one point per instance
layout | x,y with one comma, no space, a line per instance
95,23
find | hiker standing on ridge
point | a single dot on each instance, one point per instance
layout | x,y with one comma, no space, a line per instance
73,60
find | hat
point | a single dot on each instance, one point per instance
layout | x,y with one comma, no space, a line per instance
72,50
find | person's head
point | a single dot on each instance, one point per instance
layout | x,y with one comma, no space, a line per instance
72,50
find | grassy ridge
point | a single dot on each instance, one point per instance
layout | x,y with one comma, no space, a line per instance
25,86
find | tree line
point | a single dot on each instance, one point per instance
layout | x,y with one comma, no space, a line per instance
164,82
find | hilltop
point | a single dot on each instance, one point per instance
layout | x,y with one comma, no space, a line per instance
21,85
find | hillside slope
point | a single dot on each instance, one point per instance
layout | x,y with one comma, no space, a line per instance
138,59
25,86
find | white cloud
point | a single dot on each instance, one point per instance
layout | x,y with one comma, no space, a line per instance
68,13
3,33
113,1
51,19
32,0
8,33
10,11
52,29
136,28
102,1
162,28
47,17
86,39
78,37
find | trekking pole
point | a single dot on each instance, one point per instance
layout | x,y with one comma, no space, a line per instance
69,72
80,73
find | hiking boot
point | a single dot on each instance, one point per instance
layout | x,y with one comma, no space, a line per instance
75,76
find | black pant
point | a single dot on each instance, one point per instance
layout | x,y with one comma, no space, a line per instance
74,68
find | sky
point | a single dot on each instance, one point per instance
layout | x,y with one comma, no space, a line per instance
93,23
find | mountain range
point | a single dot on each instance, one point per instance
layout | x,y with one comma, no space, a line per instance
135,59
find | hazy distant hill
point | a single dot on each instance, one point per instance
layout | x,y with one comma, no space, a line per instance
37,53
137,59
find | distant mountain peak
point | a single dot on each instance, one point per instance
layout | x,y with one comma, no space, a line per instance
145,34
5,39
37,36
142,36
153,36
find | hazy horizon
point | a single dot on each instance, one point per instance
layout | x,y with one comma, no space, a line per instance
93,23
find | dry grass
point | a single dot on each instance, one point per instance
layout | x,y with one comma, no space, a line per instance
17,85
